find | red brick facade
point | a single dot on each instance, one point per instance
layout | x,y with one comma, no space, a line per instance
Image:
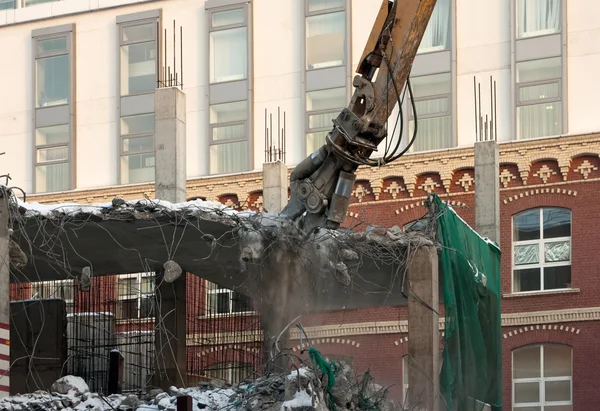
545,173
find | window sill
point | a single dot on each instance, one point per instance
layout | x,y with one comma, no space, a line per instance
224,315
546,292
136,321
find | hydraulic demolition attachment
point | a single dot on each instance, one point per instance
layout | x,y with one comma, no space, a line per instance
321,185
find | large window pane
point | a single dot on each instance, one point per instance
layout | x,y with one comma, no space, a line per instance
137,168
527,362
234,132
527,254
7,4
432,107
143,123
539,120
219,303
138,68
45,155
322,5
538,17
52,177
557,277
326,99
538,70
315,140
558,390
228,55
27,3
52,45
228,112
144,143
227,18
322,120
526,226
539,92
437,34
229,158
557,360
139,32
433,85
557,251
325,40
52,81
52,135
527,392
433,133
527,280
557,222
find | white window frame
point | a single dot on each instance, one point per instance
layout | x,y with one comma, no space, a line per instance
542,383
38,287
539,53
541,242
232,91
323,12
138,295
66,32
211,289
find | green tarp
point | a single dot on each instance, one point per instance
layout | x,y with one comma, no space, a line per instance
471,373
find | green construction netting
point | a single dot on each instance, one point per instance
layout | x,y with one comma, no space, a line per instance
471,373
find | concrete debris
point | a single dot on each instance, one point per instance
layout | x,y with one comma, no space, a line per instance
17,257
341,274
85,282
118,202
299,390
349,255
172,271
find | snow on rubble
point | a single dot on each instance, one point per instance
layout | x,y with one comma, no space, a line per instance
300,390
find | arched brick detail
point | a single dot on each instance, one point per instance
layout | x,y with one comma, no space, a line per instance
539,192
540,334
341,345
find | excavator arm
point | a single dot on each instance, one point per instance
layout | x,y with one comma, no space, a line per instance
321,185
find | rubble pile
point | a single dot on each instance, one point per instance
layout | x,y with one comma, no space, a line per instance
300,390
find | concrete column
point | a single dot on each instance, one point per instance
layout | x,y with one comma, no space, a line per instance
275,187
487,190
423,331
170,185
170,333
169,142
4,295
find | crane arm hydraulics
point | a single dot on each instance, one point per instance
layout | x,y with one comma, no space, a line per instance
321,185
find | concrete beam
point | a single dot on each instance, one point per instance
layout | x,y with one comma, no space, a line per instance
275,187
169,141
423,331
4,295
487,190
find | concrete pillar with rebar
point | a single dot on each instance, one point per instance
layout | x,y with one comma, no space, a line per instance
487,189
170,185
4,294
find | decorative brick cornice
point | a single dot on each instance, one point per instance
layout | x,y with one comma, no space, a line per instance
543,162
401,327
549,327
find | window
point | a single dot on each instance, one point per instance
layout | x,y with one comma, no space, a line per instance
432,96
542,378
539,69
135,294
228,137
53,74
27,3
542,250
137,148
230,150
325,34
228,46
322,106
437,34
139,66
539,90
138,57
538,17
7,4
230,372
62,289
224,301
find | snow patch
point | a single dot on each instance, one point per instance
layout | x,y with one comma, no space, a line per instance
301,399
